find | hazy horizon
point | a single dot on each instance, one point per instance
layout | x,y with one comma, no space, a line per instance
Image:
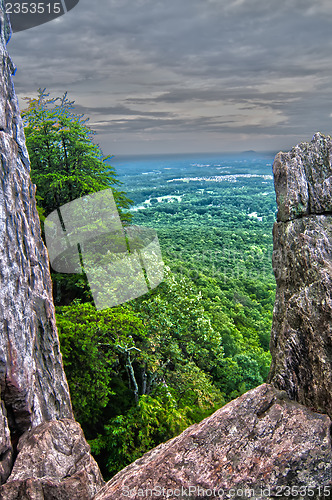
190,153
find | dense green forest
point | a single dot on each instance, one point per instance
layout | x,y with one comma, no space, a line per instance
141,372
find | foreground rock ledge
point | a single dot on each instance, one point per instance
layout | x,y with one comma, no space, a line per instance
260,440
53,462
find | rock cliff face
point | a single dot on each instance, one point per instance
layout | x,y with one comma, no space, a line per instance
33,387
301,340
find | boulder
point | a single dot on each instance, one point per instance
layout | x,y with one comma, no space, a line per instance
261,445
53,462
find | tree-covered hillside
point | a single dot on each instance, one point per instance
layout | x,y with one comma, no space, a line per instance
142,372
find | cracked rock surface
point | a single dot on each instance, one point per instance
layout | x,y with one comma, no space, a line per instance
32,381
43,453
261,440
54,461
303,179
301,338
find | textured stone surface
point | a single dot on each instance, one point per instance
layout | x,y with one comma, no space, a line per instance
54,461
260,440
6,450
72,488
301,339
32,381
303,179
41,456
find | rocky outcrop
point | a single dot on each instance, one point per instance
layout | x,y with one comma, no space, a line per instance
38,452
261,442
32,380
301,339
302,179
53,461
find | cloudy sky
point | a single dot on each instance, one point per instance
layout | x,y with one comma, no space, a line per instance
169,76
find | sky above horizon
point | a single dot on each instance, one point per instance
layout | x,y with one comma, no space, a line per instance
181,76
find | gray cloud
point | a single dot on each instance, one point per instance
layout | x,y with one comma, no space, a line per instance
116,110
249,73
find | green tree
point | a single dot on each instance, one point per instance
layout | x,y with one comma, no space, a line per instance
127,437
146,369
93,346
65,162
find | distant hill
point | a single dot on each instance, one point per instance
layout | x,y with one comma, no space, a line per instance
249,152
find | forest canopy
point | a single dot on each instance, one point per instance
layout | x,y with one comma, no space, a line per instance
142,372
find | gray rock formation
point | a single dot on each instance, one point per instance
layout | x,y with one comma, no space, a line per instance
261,442
302,179
301,339
33,386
